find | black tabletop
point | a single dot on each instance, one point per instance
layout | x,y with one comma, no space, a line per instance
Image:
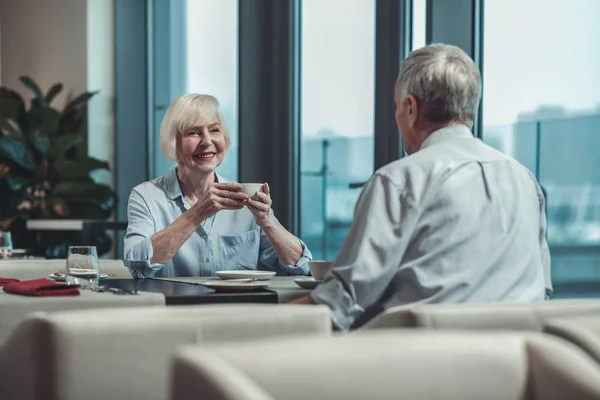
178,293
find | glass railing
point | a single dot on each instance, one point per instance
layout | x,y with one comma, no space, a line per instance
561,153
327,201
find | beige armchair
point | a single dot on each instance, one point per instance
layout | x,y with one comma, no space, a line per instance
584,331
511,316
124,353
390,365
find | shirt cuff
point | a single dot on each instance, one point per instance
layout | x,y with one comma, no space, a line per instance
344,310
138,260
301,267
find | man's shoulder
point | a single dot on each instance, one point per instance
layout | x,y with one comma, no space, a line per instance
419,171
399,171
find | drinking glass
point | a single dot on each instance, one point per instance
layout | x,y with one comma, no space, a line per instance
82,266
6,246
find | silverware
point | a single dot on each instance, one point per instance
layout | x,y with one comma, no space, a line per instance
113,290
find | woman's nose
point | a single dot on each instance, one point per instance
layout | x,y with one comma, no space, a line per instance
205,139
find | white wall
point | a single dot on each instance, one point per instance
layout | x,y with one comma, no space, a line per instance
68,41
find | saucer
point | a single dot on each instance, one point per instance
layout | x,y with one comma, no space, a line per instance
254,275
307,282
235,286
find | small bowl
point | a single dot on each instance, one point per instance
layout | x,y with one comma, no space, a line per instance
251,188
320,268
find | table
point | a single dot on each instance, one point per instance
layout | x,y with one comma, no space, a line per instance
34,269
14,308
183,293
284,287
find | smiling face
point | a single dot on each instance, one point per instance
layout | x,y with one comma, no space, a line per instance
201,148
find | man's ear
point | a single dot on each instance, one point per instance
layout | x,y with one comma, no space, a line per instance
413,110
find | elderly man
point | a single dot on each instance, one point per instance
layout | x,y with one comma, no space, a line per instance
455,221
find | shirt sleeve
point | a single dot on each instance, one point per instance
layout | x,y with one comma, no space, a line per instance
138,239
268,257
383,224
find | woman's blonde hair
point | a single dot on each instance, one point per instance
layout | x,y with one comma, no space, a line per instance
189,111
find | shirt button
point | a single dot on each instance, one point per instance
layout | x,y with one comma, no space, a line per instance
207,260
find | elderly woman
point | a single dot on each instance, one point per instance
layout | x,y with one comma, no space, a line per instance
194,222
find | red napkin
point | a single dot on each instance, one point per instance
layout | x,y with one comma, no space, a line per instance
4,281
41,287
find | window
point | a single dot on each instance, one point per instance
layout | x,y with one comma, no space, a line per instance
212,63
541,106
337,72
195,51
419,23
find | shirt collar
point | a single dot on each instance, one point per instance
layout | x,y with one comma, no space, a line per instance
172,183
447,133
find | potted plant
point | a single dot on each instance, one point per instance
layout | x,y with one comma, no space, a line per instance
44,172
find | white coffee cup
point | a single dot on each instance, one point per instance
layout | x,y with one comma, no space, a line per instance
320,268
251,188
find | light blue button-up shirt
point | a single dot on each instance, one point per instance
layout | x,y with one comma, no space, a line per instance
455,222
229,240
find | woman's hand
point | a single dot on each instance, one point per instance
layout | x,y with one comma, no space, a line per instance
260,206
221,196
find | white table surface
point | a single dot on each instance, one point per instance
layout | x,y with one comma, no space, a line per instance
34,269
13,307
284,286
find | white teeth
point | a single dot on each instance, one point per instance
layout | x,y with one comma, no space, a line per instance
204,155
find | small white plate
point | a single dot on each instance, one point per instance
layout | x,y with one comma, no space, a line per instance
60,276
307,282
233,286
255,275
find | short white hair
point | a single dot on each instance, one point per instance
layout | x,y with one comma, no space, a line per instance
189,111
444,80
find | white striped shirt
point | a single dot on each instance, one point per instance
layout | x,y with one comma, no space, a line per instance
456,221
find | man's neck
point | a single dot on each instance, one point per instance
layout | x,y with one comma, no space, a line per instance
429,128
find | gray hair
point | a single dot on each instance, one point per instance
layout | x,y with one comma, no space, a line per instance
444,80
187,112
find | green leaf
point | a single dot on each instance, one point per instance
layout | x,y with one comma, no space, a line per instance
11,104
16,199
32,127
16,151
60,144
53,202
7,126
86,193
49,117
80,167
79,102
17,180
53,92
74,121
31,85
